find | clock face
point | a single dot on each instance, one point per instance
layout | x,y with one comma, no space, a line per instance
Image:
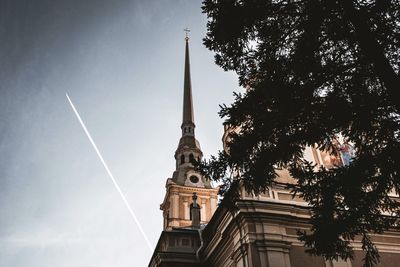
194,179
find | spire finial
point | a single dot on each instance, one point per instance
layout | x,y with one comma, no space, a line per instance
186,30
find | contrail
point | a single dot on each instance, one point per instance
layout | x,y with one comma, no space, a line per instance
110,175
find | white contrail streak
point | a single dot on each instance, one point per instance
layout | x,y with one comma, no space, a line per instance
110,175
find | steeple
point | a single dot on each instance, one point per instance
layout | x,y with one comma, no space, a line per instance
187,115
179,209
189,148
188,140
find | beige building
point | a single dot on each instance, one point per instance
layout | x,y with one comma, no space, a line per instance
262,232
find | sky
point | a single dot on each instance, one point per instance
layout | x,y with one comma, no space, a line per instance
121,62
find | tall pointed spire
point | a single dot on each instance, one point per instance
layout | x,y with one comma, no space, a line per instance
187,93
187,116
188,148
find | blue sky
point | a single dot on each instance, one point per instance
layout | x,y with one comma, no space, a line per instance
121,62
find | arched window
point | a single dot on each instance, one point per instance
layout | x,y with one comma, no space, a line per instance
182,159
191,158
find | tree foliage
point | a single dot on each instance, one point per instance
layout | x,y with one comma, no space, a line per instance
314,69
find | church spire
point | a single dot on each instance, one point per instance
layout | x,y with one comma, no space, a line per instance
187,116
188,149
186,179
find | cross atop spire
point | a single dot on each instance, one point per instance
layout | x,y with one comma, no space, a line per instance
186,30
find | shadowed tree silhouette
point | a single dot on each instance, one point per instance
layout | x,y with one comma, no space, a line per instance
314,69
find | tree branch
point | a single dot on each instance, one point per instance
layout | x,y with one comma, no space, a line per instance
374,52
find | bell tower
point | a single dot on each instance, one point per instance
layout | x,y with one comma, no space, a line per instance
185,180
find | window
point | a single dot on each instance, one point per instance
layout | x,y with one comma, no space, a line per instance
191,158
182,159
194,179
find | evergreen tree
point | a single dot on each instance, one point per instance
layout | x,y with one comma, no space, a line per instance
314,69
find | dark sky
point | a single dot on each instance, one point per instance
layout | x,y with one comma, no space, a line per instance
121,62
